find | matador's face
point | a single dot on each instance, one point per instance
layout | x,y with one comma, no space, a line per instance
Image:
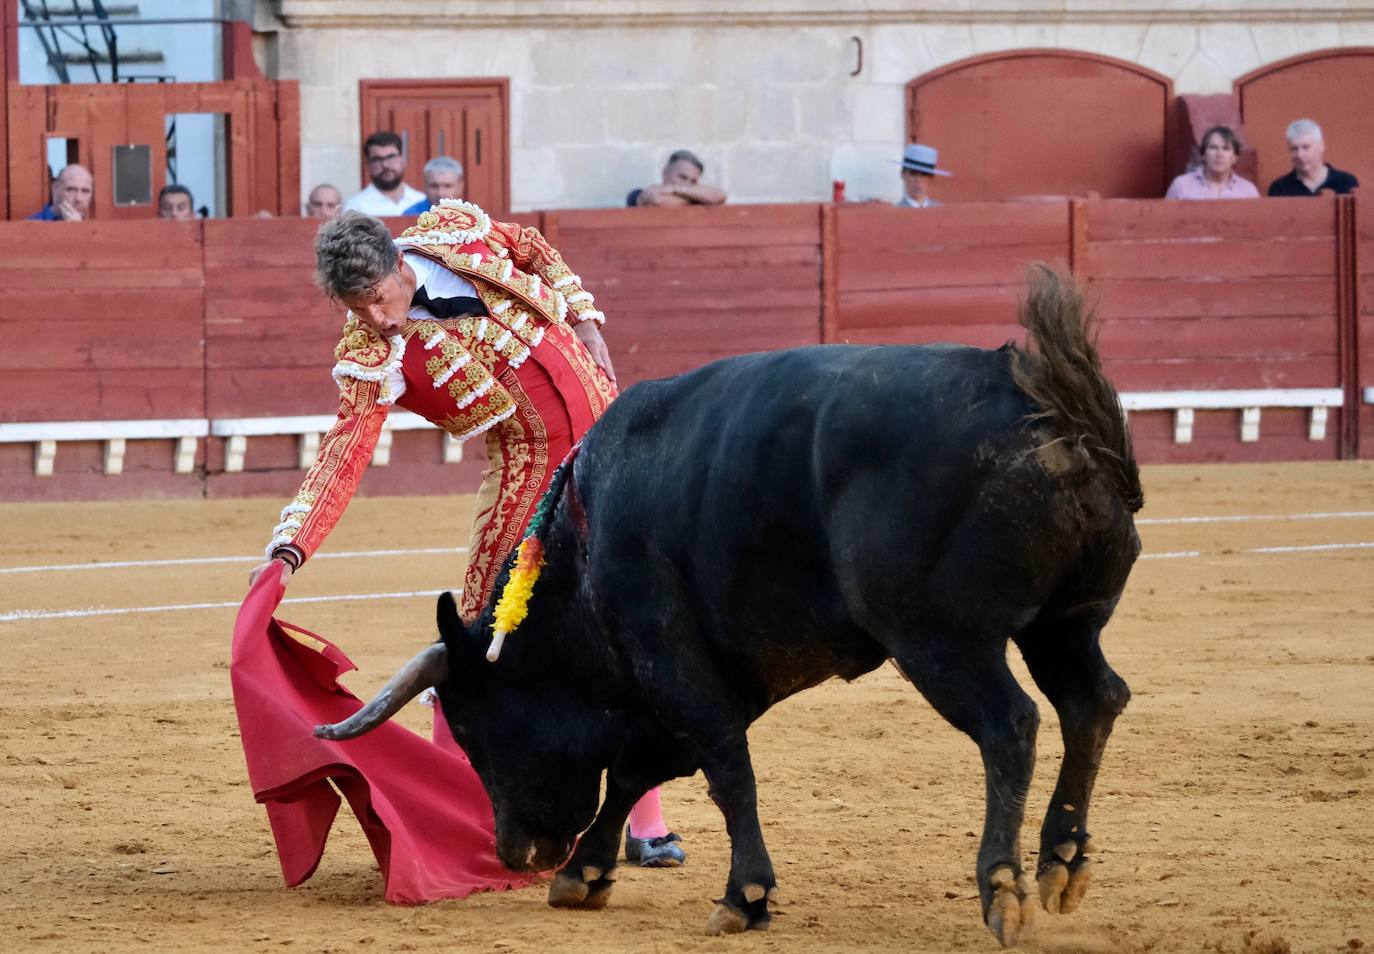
384,306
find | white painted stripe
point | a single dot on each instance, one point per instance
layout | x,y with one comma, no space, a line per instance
1313,548
1242,518
194,561
122,611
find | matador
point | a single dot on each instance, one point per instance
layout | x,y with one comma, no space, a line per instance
482,329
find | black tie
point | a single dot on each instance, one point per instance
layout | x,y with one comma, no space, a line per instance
460,307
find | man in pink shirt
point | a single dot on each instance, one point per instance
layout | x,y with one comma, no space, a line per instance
1214,178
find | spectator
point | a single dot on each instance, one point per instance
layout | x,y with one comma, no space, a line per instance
72,192
1311,175
325,202
175,202
1214,177
388,193
918,172
681,185
443,180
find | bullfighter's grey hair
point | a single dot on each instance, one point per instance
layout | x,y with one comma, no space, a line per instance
352,253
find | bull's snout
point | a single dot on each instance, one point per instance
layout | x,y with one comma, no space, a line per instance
533,853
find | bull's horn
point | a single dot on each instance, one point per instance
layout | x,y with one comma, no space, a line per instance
428,668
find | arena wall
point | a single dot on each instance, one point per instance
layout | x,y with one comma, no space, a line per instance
218,323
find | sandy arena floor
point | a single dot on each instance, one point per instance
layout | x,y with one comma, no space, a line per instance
1233,810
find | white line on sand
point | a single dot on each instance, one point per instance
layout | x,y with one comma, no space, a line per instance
355,554
195,561
120,611
1244,518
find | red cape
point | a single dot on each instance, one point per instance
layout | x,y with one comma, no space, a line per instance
422,807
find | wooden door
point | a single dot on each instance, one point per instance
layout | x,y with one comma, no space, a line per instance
1330,87
465,119
1043,122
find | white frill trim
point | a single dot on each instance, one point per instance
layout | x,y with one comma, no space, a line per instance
592,315
506,271
481,332
487,425
502,340
457,237
475,259
291,508
537,337
350,369
279,540
560,306
476,392
432,342
519,322
519,359
534,286
501,307
580,296
567,280
451,370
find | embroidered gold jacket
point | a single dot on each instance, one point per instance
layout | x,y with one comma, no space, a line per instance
445,371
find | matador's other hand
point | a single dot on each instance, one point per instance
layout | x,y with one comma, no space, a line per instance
590,335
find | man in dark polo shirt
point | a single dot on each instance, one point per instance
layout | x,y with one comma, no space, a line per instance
1311,175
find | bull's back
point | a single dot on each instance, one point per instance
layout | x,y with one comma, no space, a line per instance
743,486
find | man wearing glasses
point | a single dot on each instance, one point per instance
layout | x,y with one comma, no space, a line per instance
388,193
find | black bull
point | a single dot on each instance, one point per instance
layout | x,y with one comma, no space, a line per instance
734,535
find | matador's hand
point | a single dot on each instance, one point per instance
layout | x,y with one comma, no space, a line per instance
590,336
258,571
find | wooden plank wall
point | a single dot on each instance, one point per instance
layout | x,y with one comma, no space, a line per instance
101,321
1217,295
1364,305
951,273
681,287
151,319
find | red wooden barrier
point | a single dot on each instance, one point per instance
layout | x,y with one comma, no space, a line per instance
111,321
951,273
1364,305
681,287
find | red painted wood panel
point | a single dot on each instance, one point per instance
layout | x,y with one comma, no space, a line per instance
1037,122
684,286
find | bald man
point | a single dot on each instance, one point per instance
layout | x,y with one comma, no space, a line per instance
325,202
72,192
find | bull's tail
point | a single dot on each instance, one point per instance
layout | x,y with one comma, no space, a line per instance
1061,372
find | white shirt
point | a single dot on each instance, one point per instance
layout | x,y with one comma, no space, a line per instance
371,201
437,281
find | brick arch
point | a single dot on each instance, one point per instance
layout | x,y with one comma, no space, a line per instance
1044,122
1329,86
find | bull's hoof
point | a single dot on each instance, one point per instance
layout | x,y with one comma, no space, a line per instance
753,915
592,894
726,919
1062,887
1008,914
1064,876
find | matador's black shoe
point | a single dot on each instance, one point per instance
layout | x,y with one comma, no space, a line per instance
662,852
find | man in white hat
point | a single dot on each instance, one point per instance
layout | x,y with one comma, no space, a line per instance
918,169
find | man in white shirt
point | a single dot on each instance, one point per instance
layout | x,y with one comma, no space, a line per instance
388,193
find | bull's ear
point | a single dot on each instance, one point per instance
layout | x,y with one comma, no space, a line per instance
463,653
450,626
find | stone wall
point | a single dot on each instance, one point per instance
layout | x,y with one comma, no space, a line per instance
603,90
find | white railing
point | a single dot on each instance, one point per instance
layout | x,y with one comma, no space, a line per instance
308,429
